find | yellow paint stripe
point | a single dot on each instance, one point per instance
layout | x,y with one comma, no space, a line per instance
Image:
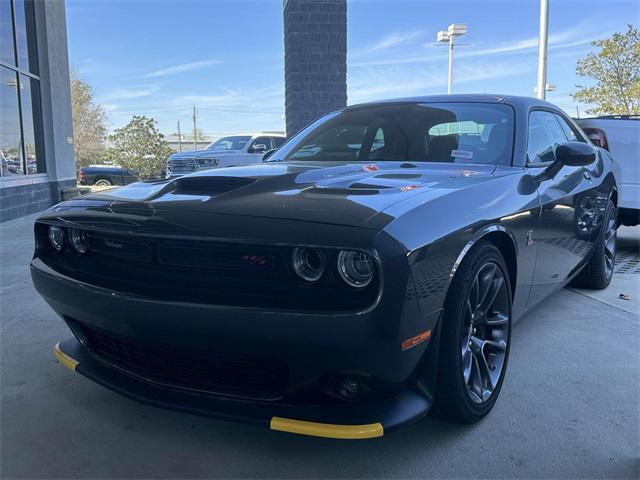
64,359
327,430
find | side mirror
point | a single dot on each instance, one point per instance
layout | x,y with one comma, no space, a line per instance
268,153
259,148
575,154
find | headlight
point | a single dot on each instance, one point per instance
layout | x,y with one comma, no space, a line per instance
355,268
56,238
79,240
309,263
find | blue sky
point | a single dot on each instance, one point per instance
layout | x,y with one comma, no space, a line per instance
159,58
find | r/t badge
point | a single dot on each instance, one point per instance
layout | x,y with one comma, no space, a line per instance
529,238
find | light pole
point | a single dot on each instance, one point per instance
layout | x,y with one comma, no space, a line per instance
448,36
543,36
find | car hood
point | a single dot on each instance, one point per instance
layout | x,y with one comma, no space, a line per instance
201,154
352,194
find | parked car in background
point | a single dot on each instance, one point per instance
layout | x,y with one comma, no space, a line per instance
229,151
106,175
369,269
620,134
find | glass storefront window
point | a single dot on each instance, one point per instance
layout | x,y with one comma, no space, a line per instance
21,138
30,103
26,35
10,136
7,54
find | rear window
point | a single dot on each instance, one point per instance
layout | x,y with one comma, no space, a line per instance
437,132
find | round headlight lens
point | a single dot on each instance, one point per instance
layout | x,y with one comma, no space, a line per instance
309,263
56,238
355,268
79,240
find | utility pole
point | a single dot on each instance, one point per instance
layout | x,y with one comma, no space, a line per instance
179,137
193,117
541,90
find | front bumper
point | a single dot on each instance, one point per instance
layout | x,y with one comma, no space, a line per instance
314,345
345,421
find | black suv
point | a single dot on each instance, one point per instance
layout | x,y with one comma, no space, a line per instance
105,175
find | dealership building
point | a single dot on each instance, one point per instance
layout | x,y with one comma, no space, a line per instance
36,134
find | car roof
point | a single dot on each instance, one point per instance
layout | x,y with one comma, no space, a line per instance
514,100
254,134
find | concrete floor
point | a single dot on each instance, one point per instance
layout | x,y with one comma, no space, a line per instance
569,407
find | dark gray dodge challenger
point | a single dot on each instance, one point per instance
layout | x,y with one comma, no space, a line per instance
368,271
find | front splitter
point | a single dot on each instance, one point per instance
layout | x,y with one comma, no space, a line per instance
341,421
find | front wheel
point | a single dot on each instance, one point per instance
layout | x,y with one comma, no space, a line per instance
476,330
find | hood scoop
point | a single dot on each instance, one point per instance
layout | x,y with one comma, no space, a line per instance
210,185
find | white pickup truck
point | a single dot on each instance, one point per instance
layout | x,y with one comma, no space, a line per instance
229,151
620,134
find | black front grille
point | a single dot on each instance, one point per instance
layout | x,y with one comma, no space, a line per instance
202,271
211,372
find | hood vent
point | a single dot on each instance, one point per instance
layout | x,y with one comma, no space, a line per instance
210,185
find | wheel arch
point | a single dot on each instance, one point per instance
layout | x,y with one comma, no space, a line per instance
504,240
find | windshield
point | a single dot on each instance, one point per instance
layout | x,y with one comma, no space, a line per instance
436,132
237,142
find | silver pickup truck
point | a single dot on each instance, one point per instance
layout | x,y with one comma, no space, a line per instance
620,134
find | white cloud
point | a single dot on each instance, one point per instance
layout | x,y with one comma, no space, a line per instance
183,67
389,41
580,34
395,39
373,84
110,107
131,93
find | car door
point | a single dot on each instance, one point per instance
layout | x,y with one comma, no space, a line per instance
563,238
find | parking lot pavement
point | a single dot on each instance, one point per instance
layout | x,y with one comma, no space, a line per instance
569,406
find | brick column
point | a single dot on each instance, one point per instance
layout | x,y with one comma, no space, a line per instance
315,59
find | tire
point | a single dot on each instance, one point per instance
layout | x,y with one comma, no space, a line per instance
597,273
466,365
103,182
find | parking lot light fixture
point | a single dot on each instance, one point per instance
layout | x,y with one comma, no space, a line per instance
448,37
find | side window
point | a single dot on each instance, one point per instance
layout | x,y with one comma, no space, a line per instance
278,141
568,131
545,133
260,145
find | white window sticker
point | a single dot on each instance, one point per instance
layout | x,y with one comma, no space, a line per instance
462,154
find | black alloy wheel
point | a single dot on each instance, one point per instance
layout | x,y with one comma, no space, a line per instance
485,333
475,335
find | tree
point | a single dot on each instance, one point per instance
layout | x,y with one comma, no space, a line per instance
89,123
616,69
139,146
